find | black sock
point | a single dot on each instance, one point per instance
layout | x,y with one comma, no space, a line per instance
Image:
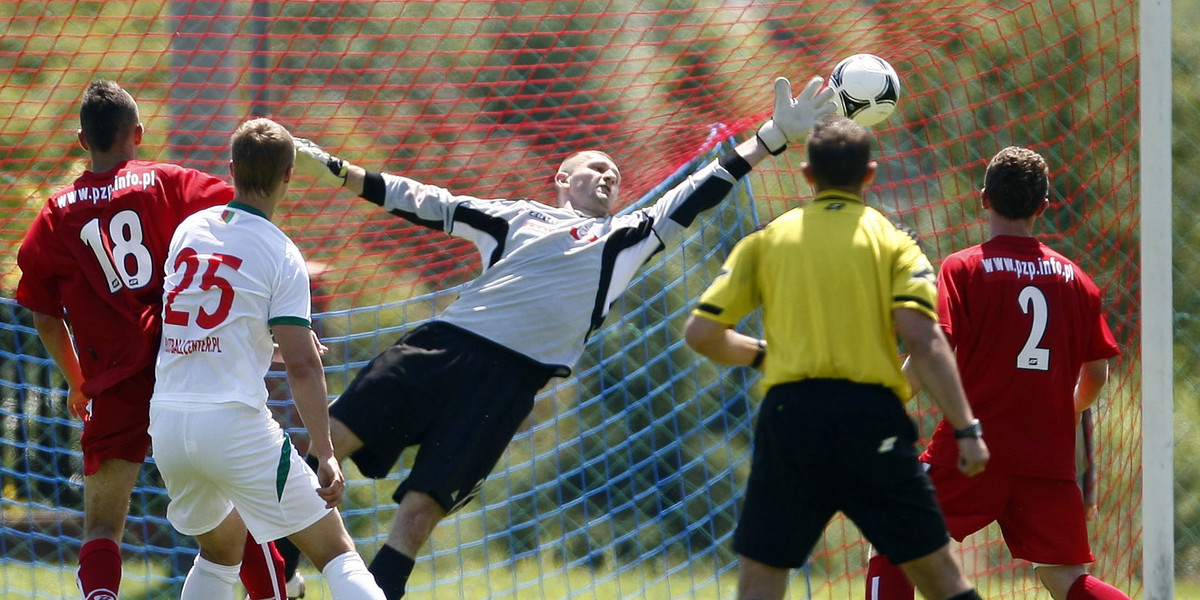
970,594
291,556
391,570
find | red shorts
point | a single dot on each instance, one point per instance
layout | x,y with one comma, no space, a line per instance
119,423
1043,520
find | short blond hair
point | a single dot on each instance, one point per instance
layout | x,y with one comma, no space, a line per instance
571,161
262,152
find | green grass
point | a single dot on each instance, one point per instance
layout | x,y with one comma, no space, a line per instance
530,580
37,582
19,580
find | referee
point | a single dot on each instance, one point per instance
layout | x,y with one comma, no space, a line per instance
836,282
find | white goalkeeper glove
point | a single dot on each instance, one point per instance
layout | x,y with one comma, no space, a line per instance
794,118
313,161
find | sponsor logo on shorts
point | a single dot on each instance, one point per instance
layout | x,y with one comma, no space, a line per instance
461,499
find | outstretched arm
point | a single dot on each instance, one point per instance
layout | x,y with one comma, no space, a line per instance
356,176
792,120
326,168
794,117
753,151
426,205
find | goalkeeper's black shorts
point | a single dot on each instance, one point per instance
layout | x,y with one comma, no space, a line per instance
826,445
460,397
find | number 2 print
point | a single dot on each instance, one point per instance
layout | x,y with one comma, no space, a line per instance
1032,357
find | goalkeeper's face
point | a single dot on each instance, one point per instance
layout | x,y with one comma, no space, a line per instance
590,183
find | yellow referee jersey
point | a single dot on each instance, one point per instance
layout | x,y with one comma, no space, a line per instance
827,276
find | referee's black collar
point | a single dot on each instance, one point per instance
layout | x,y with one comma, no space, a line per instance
836,195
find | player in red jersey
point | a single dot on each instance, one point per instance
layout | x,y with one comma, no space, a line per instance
1033,348
95,254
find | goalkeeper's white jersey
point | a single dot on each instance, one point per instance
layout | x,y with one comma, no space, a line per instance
549,274
230,274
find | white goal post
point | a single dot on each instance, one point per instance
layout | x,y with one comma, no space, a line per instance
1158,476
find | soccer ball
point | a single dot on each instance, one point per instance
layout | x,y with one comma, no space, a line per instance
867,88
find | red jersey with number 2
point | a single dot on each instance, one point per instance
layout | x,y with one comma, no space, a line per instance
1023,319
96,250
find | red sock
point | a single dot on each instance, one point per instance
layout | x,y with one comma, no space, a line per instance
885,581
262,571
99,575
1090,588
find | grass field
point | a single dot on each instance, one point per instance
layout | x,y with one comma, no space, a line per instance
20,580
526,582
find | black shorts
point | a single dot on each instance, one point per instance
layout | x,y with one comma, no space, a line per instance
457,395
827,445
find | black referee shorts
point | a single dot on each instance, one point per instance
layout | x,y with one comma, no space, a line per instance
460,397
827,445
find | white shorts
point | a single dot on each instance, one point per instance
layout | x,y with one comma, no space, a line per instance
226,455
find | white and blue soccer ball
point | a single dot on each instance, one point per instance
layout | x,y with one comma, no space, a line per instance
867,88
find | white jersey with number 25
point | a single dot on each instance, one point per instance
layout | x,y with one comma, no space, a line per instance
230,275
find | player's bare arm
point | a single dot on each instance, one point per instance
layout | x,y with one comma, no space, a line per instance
914,384
720,342
355,179
1092,377
277,357
306,377
932,361
56,337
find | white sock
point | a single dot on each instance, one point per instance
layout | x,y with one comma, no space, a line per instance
209,581
348,578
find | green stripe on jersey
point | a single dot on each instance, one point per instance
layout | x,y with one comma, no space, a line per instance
285,467
301,321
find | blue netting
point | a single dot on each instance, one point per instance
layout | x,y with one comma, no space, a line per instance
629,471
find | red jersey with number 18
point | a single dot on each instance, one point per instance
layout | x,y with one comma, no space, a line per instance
1023,319
96,250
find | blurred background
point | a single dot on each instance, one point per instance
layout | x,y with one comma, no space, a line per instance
626,480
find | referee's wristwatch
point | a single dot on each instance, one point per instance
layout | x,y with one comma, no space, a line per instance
972,430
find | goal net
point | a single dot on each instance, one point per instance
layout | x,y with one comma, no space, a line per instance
626,480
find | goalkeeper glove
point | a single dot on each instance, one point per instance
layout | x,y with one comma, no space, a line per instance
313,161
794,118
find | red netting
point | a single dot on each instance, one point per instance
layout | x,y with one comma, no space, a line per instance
485,98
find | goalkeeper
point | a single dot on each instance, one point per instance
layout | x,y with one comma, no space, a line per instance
461,385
